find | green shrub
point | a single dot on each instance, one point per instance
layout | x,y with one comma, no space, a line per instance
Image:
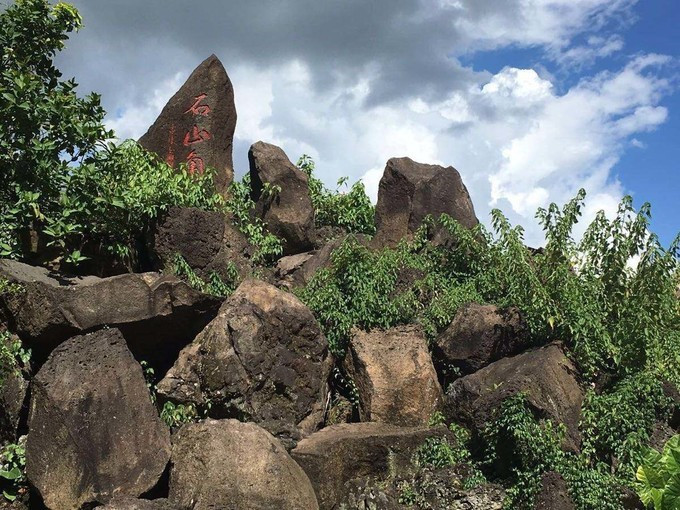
241,205
659,477
12,467
13,356
351,210
214,285
176,415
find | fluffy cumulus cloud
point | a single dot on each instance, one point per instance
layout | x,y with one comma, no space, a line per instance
353,83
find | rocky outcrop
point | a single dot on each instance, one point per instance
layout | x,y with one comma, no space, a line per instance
410,191
139,504
207,240
338,454
477,336
197,125
93,430
545,376
231,465
281,194
394,376
156,313
554,494
263,358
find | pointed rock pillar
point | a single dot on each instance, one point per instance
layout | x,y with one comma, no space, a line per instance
197,125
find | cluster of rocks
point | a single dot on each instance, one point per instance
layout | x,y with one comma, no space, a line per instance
256,365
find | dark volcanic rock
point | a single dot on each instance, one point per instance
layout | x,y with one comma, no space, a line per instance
231,465
554,494
545,375
263,358
207,240
338,454
157,314
197,125
138,504
394,375
409,191
13,392
288,213
93,431
478,335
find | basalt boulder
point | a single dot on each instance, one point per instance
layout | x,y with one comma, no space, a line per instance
477,336
339,454
545,376
554,493
93,431
410,191
196,127
139,504
157,314
231,465
207,240
262,359
280,191
393,372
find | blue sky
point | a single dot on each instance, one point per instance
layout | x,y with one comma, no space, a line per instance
529,99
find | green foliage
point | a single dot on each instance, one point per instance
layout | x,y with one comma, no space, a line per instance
242,207
215,285
351,210
12,467
659,477
175,415
520,448
59,178
13,356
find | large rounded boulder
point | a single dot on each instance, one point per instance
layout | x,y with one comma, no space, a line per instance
93,430
262,359
231,465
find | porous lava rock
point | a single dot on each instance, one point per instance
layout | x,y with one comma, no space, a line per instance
196,126
231,465
263,359
335,455
545,376
139,504
393,373
286,207
93,430
477,336
158,314
207,240
554,493
410,191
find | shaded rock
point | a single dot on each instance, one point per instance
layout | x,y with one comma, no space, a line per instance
207,240
410,191
13,393
478,335
288,212
197,125
335,455
554,493
138,504
263,359
157,314
672,393
231,465
545,375
93,431
661,433
394,376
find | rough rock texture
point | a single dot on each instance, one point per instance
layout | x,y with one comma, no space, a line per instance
409,191
208,241
231,465
138,504
13,389
156,313
288,213
554,494
545,375
263,358
338,454
93,431
394,375
478,335
197,125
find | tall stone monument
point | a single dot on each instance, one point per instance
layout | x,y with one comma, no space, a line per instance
197,125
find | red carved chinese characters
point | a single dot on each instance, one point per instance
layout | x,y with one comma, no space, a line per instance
196,164
199,109
195,136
